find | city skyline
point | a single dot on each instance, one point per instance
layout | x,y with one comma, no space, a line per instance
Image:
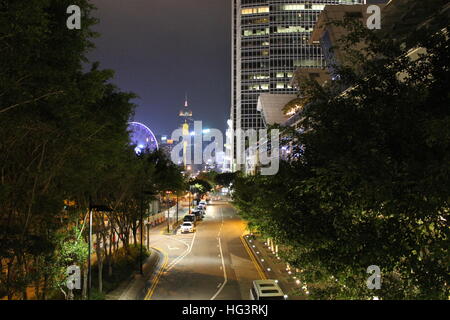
117,173
156,47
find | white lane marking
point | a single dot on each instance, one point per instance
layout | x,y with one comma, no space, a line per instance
172,248
181,257
224,274
225,278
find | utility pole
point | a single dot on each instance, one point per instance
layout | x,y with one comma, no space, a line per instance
141,270
98,208
89,251
177,208
148,232
189,199
168,215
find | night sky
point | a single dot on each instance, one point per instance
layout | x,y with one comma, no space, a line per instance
161,49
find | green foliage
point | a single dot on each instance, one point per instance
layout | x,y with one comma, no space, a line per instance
125,262
226,178
370,184
64,137
209,176
200,186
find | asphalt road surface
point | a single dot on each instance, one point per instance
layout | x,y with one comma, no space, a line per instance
211,263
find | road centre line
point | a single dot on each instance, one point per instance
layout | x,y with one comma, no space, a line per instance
181,257
223,263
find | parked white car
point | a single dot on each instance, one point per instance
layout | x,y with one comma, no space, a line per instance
187,227
202,203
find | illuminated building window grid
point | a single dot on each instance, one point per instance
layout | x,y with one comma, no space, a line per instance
294,51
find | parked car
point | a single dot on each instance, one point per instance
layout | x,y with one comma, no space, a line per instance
198,214
187,227
201,208
266,290
190,218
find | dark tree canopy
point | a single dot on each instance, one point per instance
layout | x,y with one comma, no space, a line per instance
370,186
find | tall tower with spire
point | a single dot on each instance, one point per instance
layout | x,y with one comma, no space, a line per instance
185,115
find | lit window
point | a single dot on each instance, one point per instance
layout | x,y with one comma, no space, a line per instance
255,32
280,85
280,74
305,63
259,77
290,29
293,7
255,10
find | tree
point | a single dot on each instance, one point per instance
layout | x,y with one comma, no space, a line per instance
226,179
199,186
371,185
62,130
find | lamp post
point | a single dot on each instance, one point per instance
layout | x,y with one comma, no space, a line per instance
141,270
98,208
177,208
168,211
89,253
141,257
190,191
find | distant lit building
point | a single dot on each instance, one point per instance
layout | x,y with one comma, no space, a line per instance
269,42
227,159
186,116
166,145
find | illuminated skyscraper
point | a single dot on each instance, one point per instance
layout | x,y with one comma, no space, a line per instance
269,42
185,115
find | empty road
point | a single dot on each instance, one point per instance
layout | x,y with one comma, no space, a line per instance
211,263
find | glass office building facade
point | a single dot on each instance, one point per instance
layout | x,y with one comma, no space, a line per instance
269,42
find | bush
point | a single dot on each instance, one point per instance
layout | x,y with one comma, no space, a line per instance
124,264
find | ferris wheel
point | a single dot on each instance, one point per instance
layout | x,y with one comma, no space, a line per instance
142,138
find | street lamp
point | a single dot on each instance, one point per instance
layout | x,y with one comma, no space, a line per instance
98,208
190,192
177,208
168,210
141,262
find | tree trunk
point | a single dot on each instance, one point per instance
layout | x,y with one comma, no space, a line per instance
85,282
135,235
8,278
44,287
23,271
99,264
36,290
111,244
70,295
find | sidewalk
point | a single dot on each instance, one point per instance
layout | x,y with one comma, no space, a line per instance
275,269
137,286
